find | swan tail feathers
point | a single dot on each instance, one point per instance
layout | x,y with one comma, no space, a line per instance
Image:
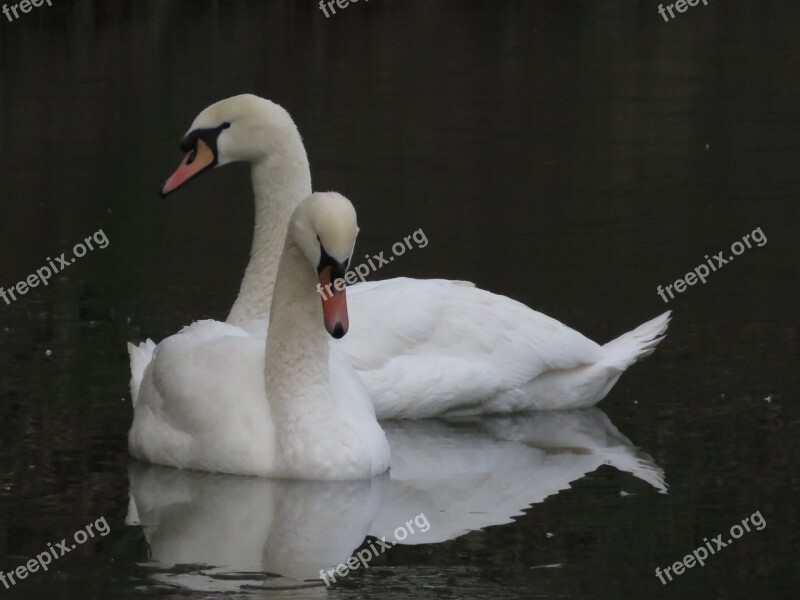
141,356
642,341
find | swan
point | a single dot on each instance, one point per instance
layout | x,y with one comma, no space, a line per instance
449,348
294,410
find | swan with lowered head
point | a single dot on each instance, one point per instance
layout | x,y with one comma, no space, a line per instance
449,348
295,411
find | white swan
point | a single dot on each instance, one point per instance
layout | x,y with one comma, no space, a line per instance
211,404
422,347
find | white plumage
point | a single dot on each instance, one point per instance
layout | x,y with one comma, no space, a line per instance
212,399
421,347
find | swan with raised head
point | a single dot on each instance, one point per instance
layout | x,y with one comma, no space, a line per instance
448,347
215,400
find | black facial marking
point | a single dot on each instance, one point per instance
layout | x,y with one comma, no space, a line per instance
338,269
208,135
189,145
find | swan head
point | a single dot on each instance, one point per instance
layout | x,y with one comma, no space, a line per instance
324,227
241,128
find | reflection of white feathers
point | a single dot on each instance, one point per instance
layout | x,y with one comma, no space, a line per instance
463,474
251,524
467,480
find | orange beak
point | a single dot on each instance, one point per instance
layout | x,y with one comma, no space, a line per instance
334,306
196,162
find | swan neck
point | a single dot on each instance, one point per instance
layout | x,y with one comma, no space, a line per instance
297,345
280,182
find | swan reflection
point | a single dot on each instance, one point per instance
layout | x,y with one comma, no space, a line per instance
219,532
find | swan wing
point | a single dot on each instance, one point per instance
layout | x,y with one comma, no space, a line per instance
429,347
202,404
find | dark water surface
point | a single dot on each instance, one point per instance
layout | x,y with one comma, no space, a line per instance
572,155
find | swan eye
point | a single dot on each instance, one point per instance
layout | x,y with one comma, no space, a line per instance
192,156
225,125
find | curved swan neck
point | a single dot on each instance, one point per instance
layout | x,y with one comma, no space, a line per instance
297,344
280,182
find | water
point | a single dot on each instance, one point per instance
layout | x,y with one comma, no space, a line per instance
572,155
